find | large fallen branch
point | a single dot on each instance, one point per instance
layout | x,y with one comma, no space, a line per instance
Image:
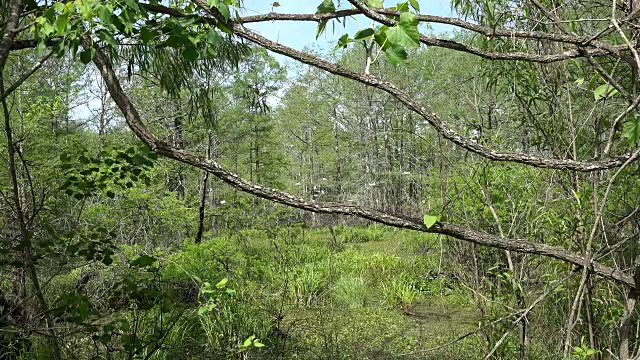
135,123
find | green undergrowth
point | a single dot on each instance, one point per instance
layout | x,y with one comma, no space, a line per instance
344,293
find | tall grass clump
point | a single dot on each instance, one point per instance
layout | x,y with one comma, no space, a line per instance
399,292
351,291
308,282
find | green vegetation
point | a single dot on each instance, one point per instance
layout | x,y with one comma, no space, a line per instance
170,189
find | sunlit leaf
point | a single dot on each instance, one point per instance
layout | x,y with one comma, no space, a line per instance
405,33
430,220
326,6
604,91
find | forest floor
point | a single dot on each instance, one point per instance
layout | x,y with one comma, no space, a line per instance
359,293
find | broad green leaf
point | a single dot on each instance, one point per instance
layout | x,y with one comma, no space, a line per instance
247,342
47,29
224,10
402,7
599,92
326,6
430,220
343,41
213,38
364,34
396,54
175,41
222,283
108,38
405,33
86,11
142,261
61,23
375,3
415,5
59,7
132,4
190,54
381,38
86,55
631,131
148,35
104,14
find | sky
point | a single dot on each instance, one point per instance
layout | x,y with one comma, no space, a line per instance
298,34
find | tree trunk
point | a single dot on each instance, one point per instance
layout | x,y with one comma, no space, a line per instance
203,193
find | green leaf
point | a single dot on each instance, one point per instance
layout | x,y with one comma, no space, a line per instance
84,160
321,27
224,10
402,7
190,53
104,14
327,6
47,29
138,159
86,55
61,23
108,38
374,3
415,5
405,33
599,92
430,220
148,35
364,34
396,54
343,41
381,38
248,341
142,261
222,283
59,7
631,131
258,344
213,38
132,4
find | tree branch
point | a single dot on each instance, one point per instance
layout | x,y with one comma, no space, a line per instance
431,117
483,30
135,123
